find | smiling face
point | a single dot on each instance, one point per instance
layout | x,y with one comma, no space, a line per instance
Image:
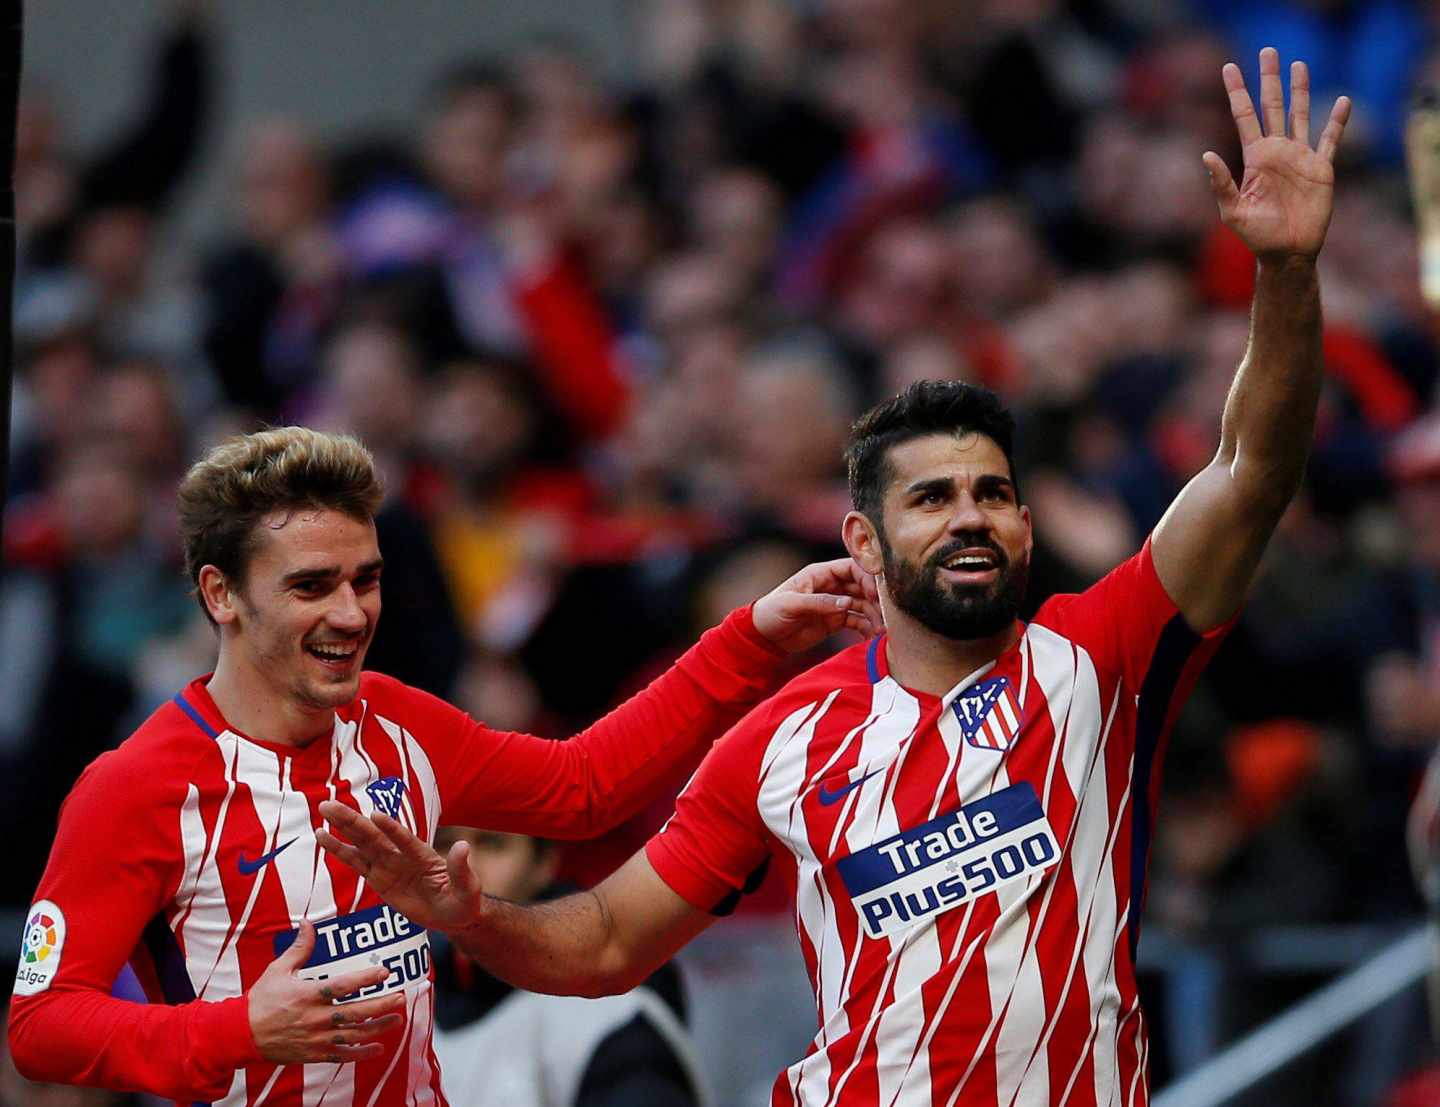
954,546
297,627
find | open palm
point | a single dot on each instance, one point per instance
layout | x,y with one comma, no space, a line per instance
1282,205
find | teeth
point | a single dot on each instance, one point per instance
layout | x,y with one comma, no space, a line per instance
968,563
334,653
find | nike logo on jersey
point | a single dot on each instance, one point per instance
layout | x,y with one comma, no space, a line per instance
247,866
828,797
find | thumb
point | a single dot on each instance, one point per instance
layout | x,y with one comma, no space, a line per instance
462,877
300,949
1222,184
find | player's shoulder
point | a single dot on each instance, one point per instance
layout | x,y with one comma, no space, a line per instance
1127,593
411,707
154,764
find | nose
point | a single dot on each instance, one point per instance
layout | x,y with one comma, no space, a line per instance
346,613
967,515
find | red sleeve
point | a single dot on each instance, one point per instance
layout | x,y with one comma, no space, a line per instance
715,843
113,867
1122,619
597,779
575,348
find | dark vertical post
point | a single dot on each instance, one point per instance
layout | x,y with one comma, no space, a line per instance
11,23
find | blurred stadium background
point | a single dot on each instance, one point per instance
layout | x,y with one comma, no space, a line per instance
602,286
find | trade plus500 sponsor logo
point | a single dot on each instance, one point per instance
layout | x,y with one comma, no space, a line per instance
376,936
940,864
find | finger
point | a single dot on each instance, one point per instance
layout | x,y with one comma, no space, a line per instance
1222,184
346,1054
368,1029
1334,129
346,983
1272,95
364,836
347,853
862,624
369,1010
300,949
1300,102
1241,108
402,840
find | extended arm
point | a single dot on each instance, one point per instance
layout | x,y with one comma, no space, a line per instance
601,942
1209,543
580,788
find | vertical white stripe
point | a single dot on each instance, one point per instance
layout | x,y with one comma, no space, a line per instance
412,756
893,716
1086,896
192,851
421,1074
357,770
411,1003
258,768
328,1085
784,780
204,928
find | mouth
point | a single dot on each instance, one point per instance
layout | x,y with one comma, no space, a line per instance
973,566
336,657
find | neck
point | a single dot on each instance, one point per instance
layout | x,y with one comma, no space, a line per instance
928,662
253,708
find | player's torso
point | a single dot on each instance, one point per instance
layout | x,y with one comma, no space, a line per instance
952,855
252,869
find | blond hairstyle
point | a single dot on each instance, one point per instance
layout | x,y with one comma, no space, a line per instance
228,491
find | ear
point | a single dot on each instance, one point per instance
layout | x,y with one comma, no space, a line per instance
1029,530
862,542
220,599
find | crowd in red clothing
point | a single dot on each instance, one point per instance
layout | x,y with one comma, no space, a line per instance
606,338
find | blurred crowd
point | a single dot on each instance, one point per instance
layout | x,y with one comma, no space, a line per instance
606,336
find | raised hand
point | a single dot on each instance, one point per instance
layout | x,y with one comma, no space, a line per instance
816,602
295,1020
438,893
1282,206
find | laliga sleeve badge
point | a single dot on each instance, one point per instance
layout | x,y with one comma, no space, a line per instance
40,947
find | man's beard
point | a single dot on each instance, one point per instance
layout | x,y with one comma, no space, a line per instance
958,611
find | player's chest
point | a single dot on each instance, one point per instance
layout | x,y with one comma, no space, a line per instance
922,805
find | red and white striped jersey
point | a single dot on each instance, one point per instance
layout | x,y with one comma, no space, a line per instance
968,870
190,851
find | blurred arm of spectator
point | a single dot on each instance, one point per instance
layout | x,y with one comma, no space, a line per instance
145,164
1091,533
575,346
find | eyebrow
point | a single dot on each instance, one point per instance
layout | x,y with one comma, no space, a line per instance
947,484
331,571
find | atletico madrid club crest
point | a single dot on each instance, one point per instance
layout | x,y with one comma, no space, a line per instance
989,714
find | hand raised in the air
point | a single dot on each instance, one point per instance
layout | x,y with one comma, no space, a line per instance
1282,205
816,602
295,1020
438,893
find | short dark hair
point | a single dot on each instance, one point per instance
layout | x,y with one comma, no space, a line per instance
926,407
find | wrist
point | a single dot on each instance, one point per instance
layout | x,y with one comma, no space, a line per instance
1299,268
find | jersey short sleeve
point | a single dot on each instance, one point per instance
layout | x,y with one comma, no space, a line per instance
715,845
1128,623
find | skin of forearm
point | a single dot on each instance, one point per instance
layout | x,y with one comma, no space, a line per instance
561,947
1269,417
